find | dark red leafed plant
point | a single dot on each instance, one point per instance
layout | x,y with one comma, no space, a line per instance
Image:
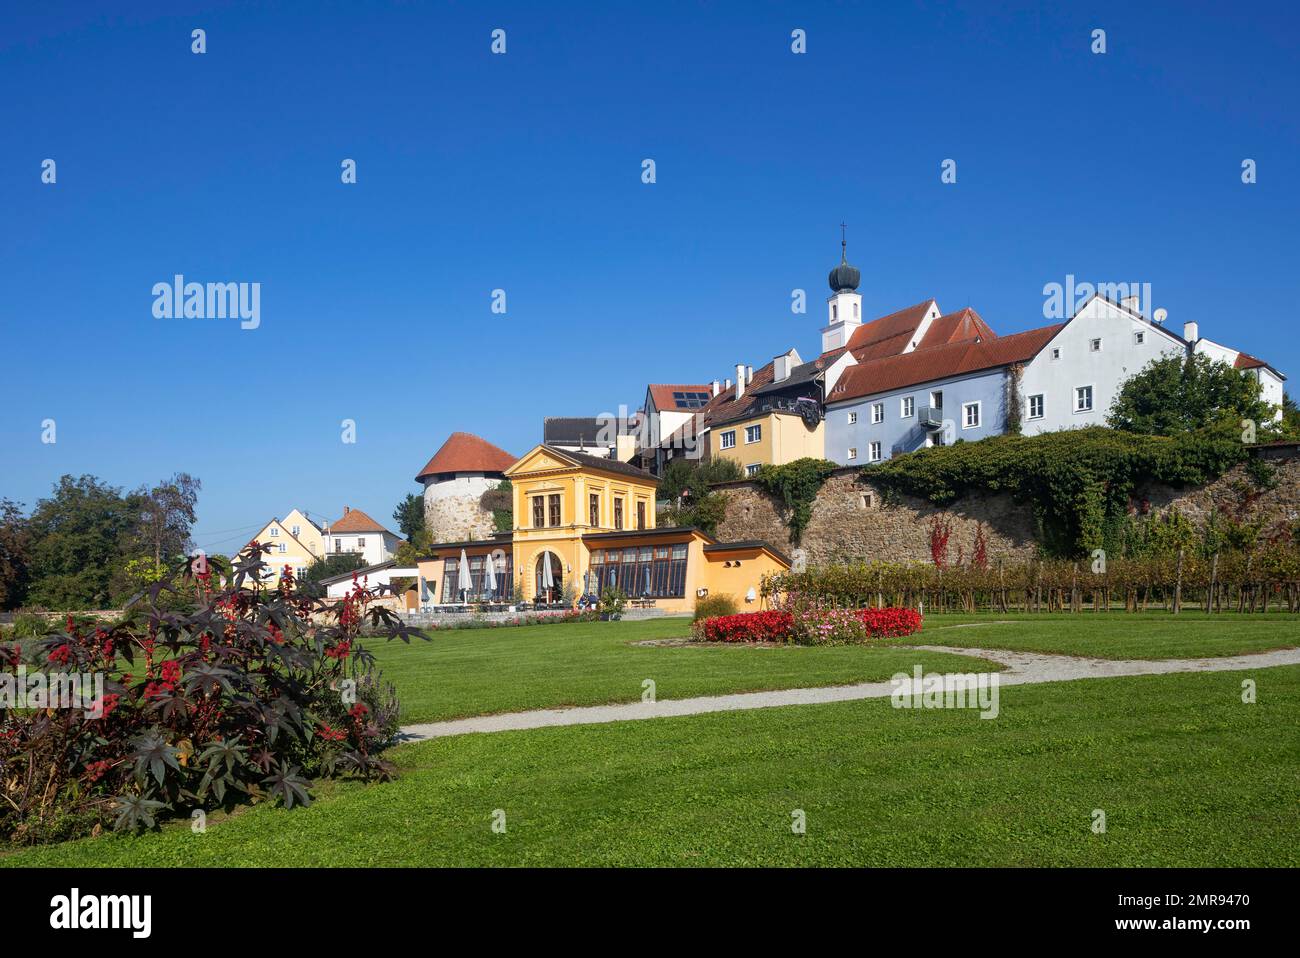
940,533
243,697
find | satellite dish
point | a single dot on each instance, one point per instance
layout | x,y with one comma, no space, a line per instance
1160,315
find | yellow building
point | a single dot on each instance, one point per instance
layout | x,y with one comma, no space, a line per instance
295,542
767,435
591,520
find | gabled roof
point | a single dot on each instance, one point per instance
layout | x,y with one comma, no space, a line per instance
664,398
963,326
801,374
939,362
354,520
587,461
466,452
888,335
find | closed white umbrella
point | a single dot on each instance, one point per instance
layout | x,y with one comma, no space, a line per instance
548,580
463,582
490,576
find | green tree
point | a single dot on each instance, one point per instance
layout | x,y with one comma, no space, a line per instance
81,536
167,515
686,484
410,551
15,554
336,563
409,516
1174,395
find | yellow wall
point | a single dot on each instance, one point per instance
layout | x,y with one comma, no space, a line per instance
785,438
748,566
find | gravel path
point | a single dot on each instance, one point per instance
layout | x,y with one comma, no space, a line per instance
1021,668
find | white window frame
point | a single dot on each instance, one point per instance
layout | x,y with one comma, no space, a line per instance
296,530
874,452
1055,354
1139,337
853,418
284,547
1042,406
757,430
907,407
877,413
853,453
1094,344
727,440
1092,397
752,469
966,407
275,532
933,394
361,542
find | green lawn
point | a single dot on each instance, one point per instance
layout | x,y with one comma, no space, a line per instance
1186,774
1116,635
483,671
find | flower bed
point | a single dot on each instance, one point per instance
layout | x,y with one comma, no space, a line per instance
771,626
802,623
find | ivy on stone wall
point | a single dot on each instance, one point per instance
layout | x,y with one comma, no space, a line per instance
796,485
1079,482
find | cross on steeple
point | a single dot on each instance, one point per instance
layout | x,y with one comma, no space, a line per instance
844,242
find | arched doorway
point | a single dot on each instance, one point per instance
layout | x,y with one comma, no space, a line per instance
548,591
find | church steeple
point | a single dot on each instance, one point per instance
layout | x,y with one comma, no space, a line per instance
844,305
844,278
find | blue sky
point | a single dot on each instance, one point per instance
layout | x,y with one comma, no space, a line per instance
523,172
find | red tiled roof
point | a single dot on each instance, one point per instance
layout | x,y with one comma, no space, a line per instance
466,452
354,520
723,407
662,393
963,326
939,362
888,335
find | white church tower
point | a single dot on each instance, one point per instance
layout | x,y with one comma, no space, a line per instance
844,308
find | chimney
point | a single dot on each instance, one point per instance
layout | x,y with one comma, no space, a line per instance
749,374
727,384
1130,302
781,369
346,510
740,380
717,387
1191,332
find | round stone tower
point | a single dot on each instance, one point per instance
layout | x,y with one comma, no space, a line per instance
454,481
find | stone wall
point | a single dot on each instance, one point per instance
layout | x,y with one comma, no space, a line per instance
851,521
452,512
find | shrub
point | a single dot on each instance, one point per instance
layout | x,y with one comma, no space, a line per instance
715,605
239,701
612,601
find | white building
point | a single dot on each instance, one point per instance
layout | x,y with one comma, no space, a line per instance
1075,377
356,532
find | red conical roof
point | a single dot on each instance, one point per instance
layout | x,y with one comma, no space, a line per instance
466,452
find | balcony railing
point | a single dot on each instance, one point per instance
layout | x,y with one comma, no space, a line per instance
931,417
